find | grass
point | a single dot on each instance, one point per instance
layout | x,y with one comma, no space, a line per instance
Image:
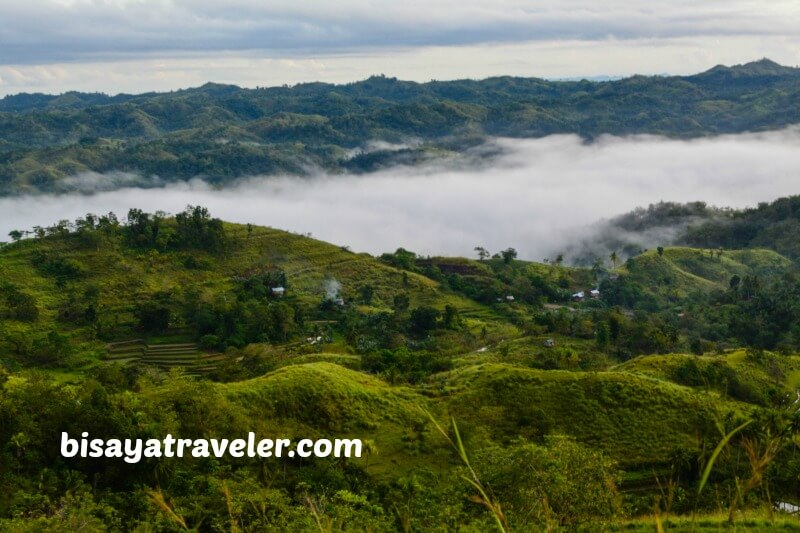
752,520
680,271
635,419
126,275
324,399
777,371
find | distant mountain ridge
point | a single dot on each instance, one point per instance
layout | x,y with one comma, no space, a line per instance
222,132
76,99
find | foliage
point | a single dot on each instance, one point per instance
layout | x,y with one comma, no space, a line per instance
572,414
224,132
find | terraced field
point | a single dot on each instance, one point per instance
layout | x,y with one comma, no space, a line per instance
165,356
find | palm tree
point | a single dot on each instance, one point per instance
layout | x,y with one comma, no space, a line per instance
20,441
613,258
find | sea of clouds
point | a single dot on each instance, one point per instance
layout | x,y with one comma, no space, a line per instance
536,195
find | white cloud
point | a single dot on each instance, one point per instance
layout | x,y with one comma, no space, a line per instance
552,59
135,45
536,197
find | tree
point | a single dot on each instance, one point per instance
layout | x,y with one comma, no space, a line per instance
450,318
366,292
508,255
483,253
401,302
613,258
424,319
562,481
15,235
21,306
603,335
196,229
660,250
283,321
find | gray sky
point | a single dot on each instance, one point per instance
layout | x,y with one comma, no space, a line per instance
138,45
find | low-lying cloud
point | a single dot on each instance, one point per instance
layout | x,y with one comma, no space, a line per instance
537,195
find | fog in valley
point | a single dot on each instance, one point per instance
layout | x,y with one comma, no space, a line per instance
537,195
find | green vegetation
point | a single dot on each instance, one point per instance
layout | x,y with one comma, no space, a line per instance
770,225
489,394
223,132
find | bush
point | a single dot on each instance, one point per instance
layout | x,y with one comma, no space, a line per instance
209,342
21,306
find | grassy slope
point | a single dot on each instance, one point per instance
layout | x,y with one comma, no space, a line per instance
681,271
781,371
322,399
633,413
124,275
635,419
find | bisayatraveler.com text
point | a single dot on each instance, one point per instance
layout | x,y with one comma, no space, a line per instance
133,450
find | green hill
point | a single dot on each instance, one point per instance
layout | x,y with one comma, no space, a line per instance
582,412
677,272
773,225
223,132
633,419
69,276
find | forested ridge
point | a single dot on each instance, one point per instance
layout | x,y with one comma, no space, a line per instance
221,132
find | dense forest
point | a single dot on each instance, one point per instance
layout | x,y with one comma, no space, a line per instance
645,391
221,132
774,225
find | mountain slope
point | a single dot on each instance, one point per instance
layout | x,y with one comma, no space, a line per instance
223,132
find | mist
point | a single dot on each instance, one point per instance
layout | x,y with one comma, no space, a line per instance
536,195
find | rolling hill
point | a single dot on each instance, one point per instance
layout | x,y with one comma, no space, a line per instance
578,410
222,132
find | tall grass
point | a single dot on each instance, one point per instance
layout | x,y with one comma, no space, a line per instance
483,496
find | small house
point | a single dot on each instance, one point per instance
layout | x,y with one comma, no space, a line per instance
549,343
594,293
278,291
509,298
579,296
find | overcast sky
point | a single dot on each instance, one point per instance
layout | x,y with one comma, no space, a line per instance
137,45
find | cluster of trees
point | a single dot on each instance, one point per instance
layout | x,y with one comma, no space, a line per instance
762,315
222,323
193,228
224,319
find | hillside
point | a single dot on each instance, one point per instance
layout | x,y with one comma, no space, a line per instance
223,132
67,275
677,272
575,410
771,225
